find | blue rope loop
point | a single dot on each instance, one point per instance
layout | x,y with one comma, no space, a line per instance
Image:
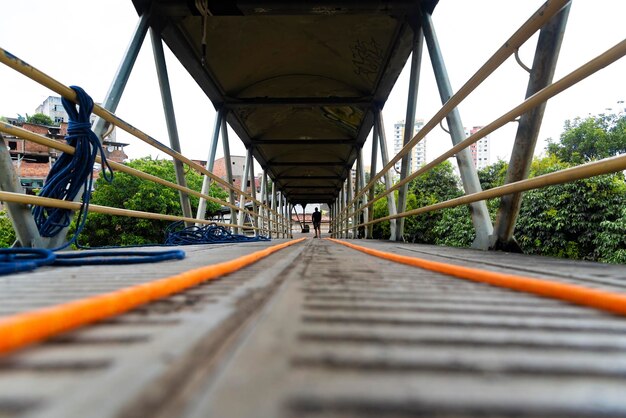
177,234
72,173
93,258
14,260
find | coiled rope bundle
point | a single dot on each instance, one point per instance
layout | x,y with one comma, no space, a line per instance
69,176
72,174
207,234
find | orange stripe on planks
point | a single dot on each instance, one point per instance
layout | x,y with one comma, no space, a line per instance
599,299
19,330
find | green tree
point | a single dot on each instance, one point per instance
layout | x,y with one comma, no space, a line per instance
454,227
569,220
130,192
40,119
437,185
592,138
7,235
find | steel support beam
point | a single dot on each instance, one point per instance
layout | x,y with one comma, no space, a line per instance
274,231
210,162
303,141
228,168
262,210
391,201
541,75
469,176
21,216
349,194
114,95
364,213
409,123
298,101
170,119
255,207
372,191
244,185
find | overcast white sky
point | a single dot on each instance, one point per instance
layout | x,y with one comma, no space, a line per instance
81,42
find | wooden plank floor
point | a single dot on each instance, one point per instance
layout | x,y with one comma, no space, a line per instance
321,330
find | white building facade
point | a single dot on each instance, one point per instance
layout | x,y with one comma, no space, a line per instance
418,153
480,150
53,107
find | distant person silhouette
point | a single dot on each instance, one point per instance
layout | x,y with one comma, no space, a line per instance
316,217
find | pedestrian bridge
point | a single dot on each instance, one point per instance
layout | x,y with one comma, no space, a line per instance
337,327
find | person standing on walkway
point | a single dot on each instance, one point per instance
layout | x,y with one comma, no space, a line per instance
316,217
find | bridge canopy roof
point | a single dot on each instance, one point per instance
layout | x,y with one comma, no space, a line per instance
300,80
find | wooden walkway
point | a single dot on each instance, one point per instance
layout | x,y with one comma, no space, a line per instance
321,330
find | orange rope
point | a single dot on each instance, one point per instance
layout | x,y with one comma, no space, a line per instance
599,299
22,329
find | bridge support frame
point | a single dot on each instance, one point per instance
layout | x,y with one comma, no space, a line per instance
229,172
469,176
409,124
210,162
24,225
244,185
274,231
363,212
541,75
170,118
114,95
372,190
384,154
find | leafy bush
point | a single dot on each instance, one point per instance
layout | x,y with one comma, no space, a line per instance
7,235
130,192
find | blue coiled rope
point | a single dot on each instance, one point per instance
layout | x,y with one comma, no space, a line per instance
207,234
69,175
72,173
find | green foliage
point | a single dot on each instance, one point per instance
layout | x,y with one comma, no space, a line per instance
381,230
7,235
592,138
130,192
437,185
566,220
40,119
611,240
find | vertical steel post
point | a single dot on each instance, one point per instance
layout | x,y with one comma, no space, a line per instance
349,195
170,119
228,168
281,216
409,123
244,185
24,225
262,209
342,205
364,215
391,201
113,96
274,229
206,180
469,176
255,207
357,187
542,74
372,191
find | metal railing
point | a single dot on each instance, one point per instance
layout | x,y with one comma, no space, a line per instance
269,219
351,213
